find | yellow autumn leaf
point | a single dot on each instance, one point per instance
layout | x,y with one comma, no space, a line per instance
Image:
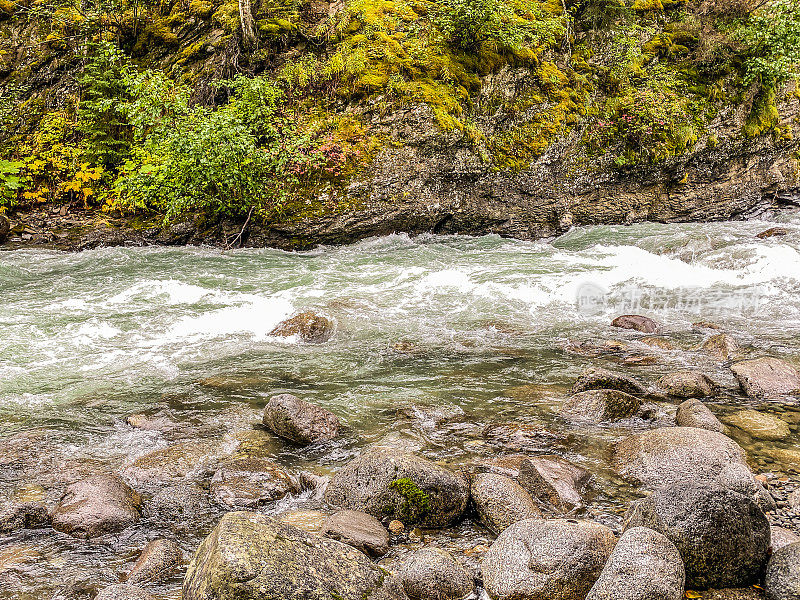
693,594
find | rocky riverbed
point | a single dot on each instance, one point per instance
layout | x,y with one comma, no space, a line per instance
403,419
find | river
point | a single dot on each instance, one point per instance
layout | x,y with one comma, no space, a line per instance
471,331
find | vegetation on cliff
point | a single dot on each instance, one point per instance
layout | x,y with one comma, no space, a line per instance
269,109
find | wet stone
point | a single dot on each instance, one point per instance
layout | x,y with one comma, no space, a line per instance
250,482
308,326
636,322
759,425
159,559
358,529
433,574
688,384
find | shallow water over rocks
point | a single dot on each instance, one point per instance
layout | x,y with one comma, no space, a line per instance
156,363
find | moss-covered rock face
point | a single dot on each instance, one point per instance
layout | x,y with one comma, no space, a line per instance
397,485
249,556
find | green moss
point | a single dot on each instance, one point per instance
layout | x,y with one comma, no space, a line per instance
763,116
415,504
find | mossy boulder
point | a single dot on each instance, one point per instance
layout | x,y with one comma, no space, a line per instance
250,556
400,485
596,406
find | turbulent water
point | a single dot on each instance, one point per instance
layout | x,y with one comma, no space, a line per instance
471,331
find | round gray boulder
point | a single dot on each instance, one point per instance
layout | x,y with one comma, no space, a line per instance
299,421
358,529
722,535
501,501
433,574
783,574
400,485
694,413
688,384
250,556
95,506
541,559
644,565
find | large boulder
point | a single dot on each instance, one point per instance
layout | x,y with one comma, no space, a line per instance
595,378
767,378
250,556
596,406
400,485
644,565
501,501
722,535
250,482
159,559
308,326
759,425
544,559
782,581
694,413
433,574
636,322
299,421
95,506
357,529
688,384
549,478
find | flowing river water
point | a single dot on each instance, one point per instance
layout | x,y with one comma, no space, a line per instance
468,331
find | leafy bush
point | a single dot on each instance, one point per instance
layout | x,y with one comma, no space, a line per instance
10,183
772,40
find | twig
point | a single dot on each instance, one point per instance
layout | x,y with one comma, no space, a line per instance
238,238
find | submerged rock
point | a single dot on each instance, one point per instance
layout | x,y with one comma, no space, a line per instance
180,503
433,574
359,530
688,384
299,421
95,506
123,591
250,556
595,378
596,406
782,581
308,326
767,378
399,485
644,565
523,437
772,232
501,501
722,535
636,322
168,464
24,515
759,425
544,559
159,559
720,346
694,413
250,482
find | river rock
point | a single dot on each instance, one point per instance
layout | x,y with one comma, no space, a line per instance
596,406
688,384
658,342
250,556
250,482
312,521
523,437
178,461
123,591
24,515
772,232
636,322
694,413
95,506
308,326
781,537
759,425
400,485
672,454
299,421
180,502
359,530
540,559
433,574
722,535
644,565
159,559
549,478
782,581
501,501
595,378
767,378
720,346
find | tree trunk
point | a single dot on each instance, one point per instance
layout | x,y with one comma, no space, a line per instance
248,26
